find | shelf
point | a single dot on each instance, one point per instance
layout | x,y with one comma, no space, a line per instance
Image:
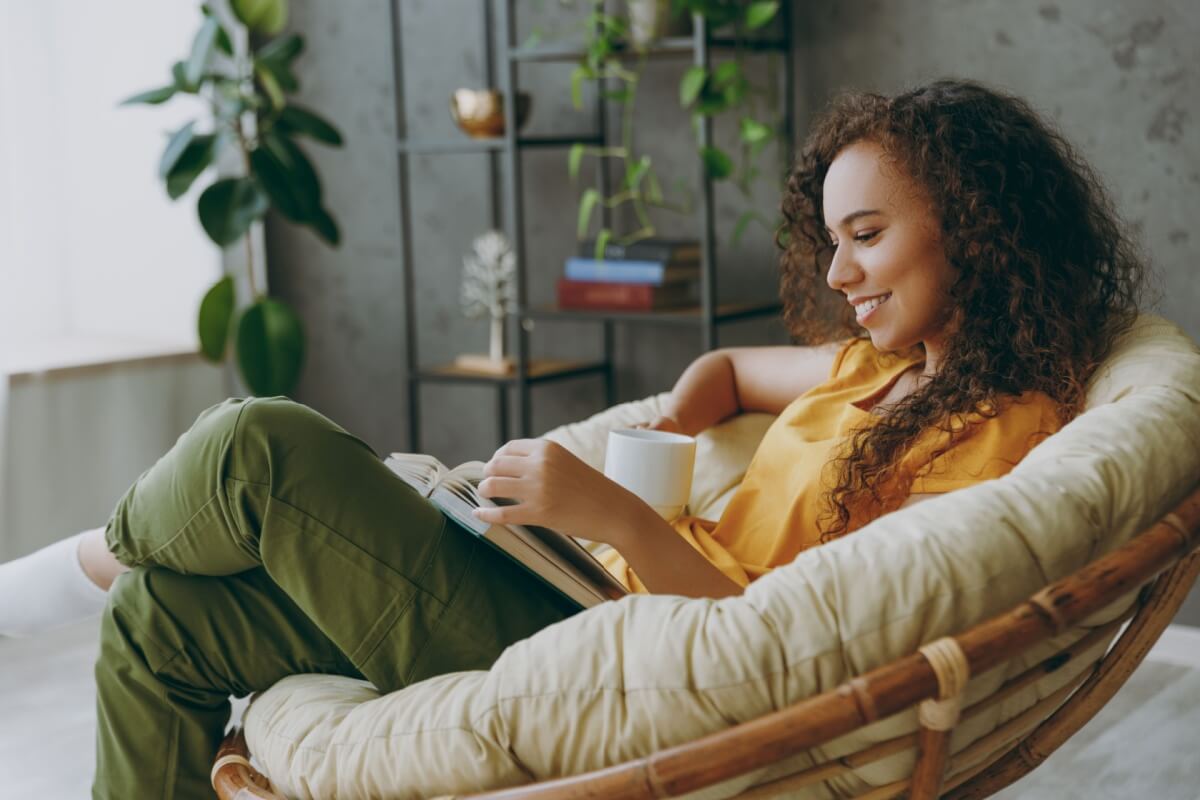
692,315
539,371
467,145
672,47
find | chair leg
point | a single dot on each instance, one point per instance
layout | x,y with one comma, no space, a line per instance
938,717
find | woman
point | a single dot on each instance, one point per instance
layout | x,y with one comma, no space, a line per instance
968,240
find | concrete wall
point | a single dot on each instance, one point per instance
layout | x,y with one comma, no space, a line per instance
1121,80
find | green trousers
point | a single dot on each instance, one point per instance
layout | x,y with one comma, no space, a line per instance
270,542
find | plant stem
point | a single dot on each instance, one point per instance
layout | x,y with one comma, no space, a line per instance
243,148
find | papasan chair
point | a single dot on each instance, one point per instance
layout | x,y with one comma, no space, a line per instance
943,650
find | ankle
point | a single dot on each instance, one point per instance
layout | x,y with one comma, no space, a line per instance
99,565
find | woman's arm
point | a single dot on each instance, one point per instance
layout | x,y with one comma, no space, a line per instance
734,380
554,489
665,562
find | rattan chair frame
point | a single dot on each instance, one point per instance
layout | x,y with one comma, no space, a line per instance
1163,562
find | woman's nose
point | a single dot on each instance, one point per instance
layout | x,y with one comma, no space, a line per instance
843,270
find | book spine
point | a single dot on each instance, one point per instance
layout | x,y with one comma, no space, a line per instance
589,269
581,295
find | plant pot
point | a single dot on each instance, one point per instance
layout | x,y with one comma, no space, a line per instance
480,112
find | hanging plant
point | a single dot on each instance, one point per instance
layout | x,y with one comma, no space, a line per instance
245,77
706,92
639,187
726,89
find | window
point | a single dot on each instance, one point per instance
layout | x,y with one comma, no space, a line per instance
91,247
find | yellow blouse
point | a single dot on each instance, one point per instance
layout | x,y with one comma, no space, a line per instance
773,514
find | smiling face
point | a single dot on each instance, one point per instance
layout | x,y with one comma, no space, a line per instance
887,246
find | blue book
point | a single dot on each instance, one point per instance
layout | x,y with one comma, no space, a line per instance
628,271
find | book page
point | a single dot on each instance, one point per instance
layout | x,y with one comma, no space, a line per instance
456,492
528,551
420,471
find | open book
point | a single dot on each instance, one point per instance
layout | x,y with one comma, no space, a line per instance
555,558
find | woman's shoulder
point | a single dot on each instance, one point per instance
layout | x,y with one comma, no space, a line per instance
1029,409
999,437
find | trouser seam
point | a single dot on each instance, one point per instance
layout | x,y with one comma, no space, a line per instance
415,661
182,528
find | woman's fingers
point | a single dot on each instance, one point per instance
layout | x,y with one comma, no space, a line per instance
519,447
502,487
505,466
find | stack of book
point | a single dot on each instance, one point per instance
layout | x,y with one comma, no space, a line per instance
647,275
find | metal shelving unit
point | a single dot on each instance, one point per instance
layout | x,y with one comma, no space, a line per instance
504,158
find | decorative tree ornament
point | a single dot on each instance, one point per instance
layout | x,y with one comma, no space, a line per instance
489,289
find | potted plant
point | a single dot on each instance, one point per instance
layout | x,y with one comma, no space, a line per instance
707,92
241,67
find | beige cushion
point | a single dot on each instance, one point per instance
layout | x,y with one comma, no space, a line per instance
629,677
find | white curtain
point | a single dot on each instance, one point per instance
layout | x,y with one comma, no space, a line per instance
90,245
96,263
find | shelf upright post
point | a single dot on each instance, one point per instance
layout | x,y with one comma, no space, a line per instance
789,84
708,256
406,247
494,203
602,175
512,199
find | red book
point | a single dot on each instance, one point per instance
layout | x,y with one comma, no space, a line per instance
596,296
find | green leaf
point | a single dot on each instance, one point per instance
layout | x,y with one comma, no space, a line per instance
283,50
754,132
586,203
270,347
202,47
261,16
229,207
277,56
279,159
726,73
224,43
175,147
654,193
717,165
735,92
152,97
295,119
194,159
534,39
216,312
182,84
270,86
690,85
635,172
326,227
760,12
574,157
602,239
578,76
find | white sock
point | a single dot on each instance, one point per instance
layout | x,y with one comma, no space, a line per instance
46,590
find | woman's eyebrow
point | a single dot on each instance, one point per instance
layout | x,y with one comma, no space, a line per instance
853,215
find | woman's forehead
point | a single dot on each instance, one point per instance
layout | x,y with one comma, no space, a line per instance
861,177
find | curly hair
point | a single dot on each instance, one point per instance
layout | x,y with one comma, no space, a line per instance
1047,278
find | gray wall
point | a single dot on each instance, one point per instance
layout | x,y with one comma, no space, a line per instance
1121,79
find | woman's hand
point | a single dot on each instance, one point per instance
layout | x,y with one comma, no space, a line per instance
555,489
663,423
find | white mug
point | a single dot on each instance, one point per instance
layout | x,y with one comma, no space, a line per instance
655,465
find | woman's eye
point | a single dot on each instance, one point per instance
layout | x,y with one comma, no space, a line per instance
866,237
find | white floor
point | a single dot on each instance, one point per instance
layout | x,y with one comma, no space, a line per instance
1142,745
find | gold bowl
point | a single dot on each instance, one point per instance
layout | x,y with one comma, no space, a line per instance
480,112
